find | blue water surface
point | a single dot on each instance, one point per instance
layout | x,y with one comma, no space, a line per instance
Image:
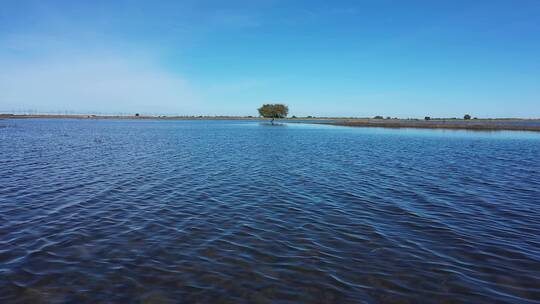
150,211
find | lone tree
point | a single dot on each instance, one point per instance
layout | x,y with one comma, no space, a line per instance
274,111
467,117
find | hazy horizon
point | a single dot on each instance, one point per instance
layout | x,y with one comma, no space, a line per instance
348,59
172,115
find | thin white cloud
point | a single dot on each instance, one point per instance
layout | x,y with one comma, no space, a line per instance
93,83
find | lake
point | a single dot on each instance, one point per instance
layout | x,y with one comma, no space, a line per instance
244,212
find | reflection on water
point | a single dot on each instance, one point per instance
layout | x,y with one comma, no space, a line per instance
276,124
242,212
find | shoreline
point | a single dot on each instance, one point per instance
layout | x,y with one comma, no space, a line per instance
492,124
131,117
472,125
161,117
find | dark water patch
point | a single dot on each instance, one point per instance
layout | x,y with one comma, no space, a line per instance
242,212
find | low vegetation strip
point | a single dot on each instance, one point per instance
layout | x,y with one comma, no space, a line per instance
481,125
463,124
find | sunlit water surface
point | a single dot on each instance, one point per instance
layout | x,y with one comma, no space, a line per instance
244,212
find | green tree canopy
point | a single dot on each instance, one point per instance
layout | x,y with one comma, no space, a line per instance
274,111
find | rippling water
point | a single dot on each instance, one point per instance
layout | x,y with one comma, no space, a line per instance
243,212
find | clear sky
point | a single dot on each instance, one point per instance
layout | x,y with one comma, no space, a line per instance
322,58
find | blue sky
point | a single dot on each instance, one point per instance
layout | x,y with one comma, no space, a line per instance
322,58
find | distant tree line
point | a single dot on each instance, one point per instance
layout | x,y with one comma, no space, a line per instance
465,117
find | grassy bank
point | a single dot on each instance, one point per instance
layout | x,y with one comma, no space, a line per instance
454,124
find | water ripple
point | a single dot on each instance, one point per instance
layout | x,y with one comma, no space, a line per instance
237,212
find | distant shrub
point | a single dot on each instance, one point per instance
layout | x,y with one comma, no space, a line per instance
137,114
467,117
378,117
388,117
294,116
427,118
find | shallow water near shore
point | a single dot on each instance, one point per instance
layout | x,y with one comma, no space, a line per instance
245,212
